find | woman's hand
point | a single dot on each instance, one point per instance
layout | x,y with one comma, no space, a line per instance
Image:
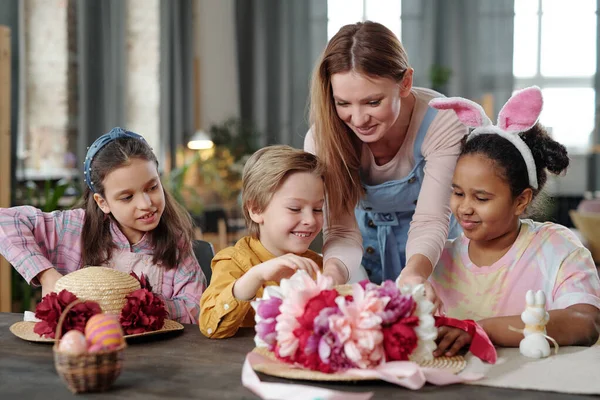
48,280
337,270
417,272
413,280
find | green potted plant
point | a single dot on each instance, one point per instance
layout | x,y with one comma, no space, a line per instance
439,76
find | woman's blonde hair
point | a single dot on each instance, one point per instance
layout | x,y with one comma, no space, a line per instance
370,49
266,170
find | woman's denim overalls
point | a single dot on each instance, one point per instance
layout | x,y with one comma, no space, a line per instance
385,212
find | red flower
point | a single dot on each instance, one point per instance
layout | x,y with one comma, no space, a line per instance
52,306
143,312
79,315
307,353
400,339
143,280
326,298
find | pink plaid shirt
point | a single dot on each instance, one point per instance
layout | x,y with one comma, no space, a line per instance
34,241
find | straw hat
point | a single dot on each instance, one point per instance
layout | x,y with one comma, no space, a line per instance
589,225
106,286
282,370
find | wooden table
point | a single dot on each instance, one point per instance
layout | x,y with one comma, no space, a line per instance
187,365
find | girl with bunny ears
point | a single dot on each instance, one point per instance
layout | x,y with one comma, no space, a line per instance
485,273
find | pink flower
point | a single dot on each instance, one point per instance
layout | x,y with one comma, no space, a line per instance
311,329
359,327
265,330
331,351
399,305
297,291
269,308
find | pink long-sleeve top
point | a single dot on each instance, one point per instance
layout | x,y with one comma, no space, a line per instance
34,241
429,226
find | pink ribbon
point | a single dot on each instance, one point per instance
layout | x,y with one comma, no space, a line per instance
481,345
402,373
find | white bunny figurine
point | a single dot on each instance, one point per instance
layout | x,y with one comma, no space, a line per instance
535,317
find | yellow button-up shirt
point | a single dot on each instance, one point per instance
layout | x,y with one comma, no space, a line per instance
221,314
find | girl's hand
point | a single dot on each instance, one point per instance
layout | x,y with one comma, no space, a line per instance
285,266
48,280
450,340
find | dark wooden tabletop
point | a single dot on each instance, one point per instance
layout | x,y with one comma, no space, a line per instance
187,365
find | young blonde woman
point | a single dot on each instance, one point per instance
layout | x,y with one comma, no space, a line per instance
389,157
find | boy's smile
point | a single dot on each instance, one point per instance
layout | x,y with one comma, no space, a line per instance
294,216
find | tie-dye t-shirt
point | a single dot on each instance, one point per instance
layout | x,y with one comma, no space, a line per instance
545,256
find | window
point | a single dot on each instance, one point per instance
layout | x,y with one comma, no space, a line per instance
343,12
555,49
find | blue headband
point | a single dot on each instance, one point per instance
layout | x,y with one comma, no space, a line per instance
115,133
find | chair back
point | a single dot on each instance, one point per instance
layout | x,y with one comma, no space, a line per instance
204,253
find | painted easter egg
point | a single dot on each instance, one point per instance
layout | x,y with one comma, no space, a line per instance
104,330
73,342
95,348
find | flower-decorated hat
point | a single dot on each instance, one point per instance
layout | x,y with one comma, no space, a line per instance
311,330
103,290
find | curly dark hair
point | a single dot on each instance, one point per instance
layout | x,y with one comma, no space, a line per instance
547,153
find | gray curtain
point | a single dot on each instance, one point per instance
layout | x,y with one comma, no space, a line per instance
474,38
101,64
176,76
593,179
278,43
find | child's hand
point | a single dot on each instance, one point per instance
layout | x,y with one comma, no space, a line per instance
285,266
450,341
275,270
48,280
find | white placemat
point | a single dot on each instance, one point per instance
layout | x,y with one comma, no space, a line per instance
572,370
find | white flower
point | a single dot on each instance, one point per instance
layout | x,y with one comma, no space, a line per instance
426,331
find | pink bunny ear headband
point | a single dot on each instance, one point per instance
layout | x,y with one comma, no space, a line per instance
519,114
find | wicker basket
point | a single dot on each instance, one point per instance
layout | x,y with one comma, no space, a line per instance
589,225
87,372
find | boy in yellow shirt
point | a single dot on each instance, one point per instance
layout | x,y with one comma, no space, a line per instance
283,196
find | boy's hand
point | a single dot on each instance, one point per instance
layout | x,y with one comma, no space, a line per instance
245,288
285,266
450,340
48,280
